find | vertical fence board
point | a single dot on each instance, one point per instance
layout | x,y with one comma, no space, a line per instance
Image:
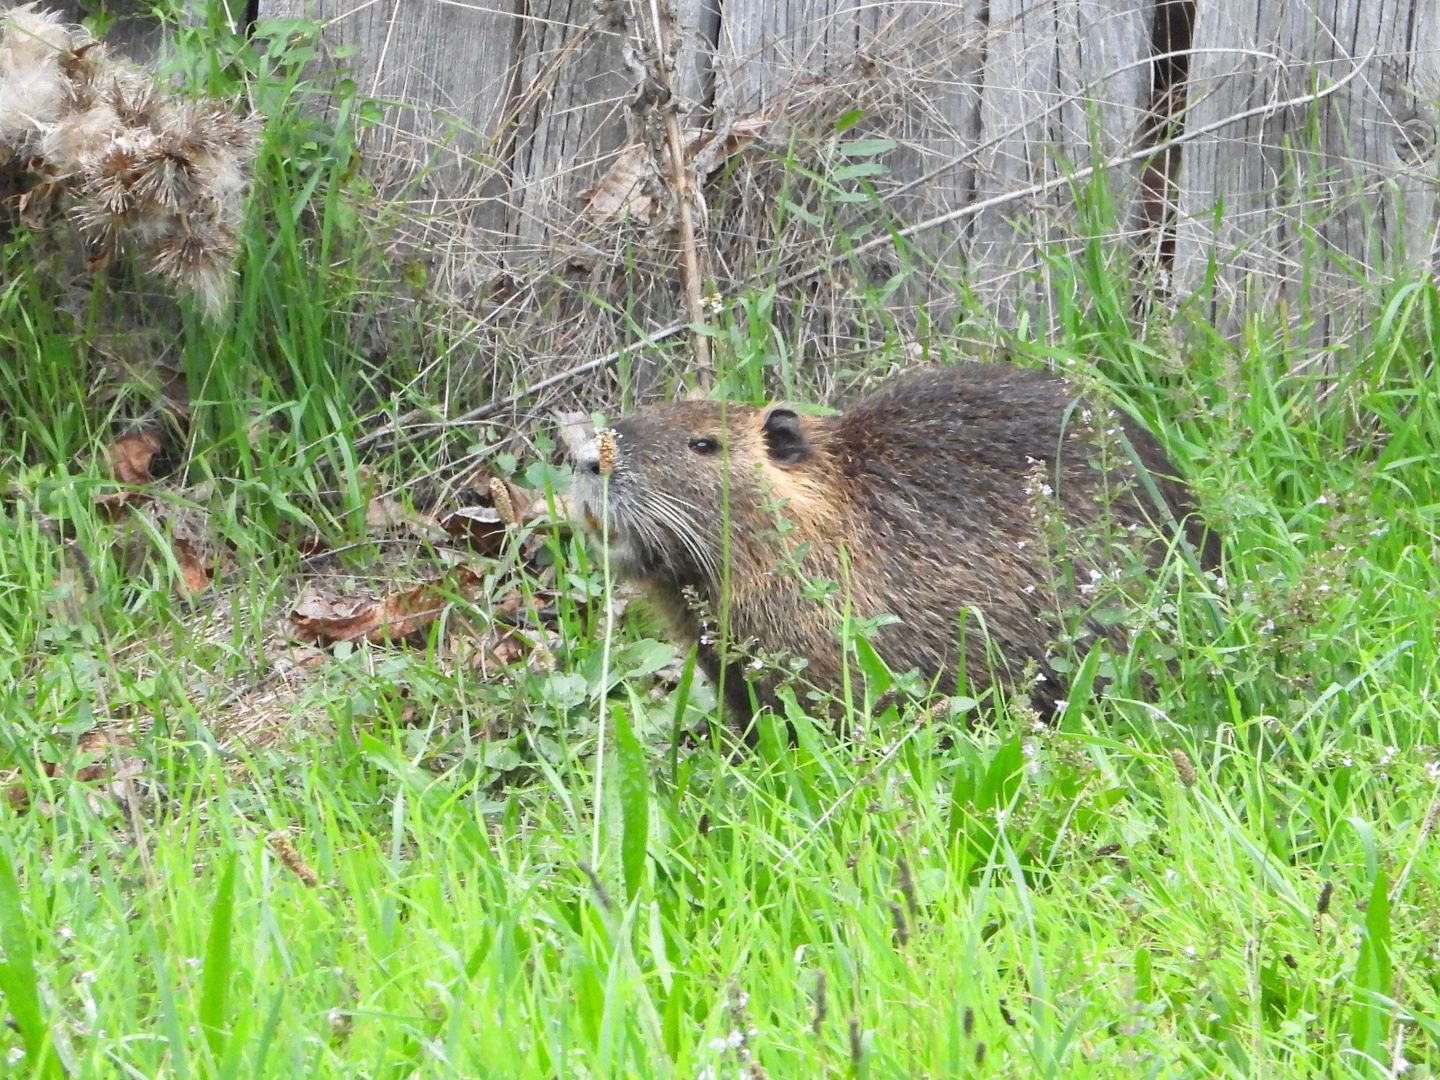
1057,72
575,89
1311,195
444,70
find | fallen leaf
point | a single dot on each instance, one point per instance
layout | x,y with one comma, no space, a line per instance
318,617
130,457
117,504
194,578
626,190
479,526
621,192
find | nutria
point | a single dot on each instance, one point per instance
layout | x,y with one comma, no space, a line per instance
925,501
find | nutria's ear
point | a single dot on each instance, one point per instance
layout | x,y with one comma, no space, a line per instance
784,437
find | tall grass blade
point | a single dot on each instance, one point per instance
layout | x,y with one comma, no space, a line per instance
215,980
634,784
1369,1019
17,974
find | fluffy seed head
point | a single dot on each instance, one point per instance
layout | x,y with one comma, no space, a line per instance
1183,767
504,505
605,444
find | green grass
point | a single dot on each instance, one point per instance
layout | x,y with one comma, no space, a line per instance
965,900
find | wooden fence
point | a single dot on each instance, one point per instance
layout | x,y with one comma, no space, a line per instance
1288,144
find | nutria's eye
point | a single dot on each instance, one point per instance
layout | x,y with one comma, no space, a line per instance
704,446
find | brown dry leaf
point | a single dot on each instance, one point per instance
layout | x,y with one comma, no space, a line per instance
478,526
194,578
321,618
312,545
130,456
621,192
408,612
117,504
190,542
625,191
538,509
383,514
500,648
97,742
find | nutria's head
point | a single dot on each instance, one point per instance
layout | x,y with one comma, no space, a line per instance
680,473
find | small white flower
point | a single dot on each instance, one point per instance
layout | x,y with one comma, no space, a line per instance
1190,951
1322,500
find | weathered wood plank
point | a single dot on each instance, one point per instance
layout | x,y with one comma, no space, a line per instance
445,69
762,48
130,30
570,120
1296,206
507,109
1065,84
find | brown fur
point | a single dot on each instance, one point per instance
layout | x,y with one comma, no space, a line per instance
921,501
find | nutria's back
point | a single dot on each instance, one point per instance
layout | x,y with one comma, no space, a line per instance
931,500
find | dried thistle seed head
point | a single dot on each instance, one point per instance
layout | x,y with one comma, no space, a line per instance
135,98
196,257
504,505
83,68
1183,768
165,175
32,88
31,38
81,140
609,452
